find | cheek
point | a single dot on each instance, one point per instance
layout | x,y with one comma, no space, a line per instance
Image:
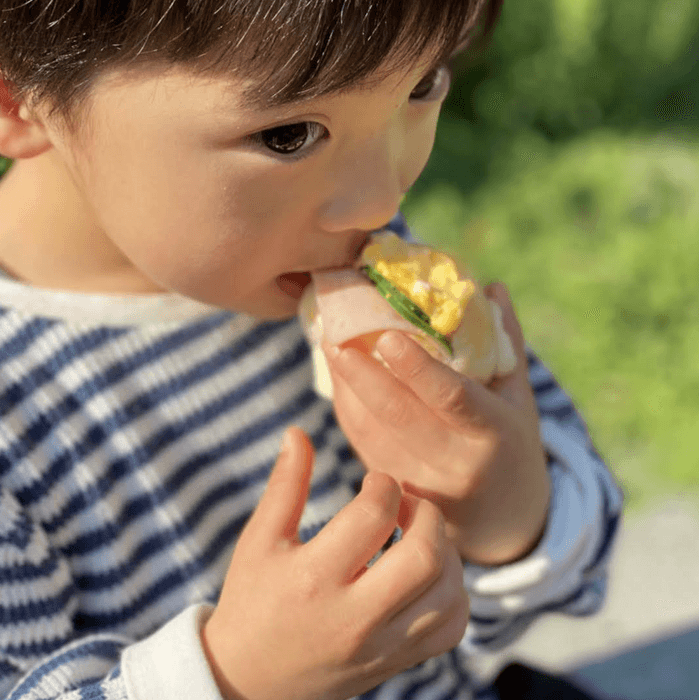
174,215
419,145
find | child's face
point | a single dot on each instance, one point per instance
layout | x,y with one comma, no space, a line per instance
210,198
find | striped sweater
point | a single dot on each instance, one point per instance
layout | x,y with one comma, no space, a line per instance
136,435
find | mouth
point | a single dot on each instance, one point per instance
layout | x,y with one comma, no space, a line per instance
294,283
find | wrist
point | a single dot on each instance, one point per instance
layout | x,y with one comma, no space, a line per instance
212,651
503,524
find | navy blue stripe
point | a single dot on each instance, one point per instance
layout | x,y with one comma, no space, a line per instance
399,225
35,609
525,619
562,413
370,694
17,532
144,454
173,579
456,664
558,605
479,620
95,436
611,521
421,683
7,669
32,650
41,374
514,628
546,386
23,571
91,689
451,694
94,649
73,402
22,339
235,485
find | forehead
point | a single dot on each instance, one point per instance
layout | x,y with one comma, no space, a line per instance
189,89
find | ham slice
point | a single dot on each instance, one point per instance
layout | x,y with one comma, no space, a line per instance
344,307
350,306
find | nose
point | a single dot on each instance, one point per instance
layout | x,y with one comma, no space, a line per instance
369,185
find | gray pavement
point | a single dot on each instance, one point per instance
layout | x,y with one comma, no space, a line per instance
644,643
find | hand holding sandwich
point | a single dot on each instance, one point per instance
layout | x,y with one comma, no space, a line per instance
472,449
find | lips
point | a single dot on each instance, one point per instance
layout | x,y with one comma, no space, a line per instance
293,283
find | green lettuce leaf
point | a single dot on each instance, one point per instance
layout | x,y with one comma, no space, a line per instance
406,307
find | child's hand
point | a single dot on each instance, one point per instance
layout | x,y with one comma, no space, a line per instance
473,451
305,621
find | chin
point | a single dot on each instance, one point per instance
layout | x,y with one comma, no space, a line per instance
272,305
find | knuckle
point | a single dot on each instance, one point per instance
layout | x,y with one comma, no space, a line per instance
451,632
373,513
429,560
456,628
452,397
416,368
309,585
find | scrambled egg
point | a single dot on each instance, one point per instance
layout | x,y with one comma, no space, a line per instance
427,277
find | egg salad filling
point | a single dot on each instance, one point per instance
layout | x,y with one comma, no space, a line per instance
422,284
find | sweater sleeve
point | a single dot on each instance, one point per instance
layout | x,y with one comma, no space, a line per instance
42,655
567,571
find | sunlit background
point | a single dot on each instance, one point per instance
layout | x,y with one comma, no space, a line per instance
567,165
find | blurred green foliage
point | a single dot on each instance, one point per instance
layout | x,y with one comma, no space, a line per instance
567,164
4,165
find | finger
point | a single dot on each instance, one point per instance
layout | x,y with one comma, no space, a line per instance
499,293
383,449
353,537
406,570
514,387
455,398
388,398
439,616
279,510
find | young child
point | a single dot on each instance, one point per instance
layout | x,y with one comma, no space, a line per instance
179,168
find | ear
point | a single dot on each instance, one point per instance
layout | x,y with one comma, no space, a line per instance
21,134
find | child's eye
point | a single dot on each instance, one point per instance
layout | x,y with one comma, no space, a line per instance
290,139
434,85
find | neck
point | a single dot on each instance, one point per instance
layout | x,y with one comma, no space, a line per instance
50,238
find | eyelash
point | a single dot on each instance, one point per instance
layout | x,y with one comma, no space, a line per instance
314,132
438,83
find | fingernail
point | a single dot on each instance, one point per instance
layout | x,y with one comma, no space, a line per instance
390,344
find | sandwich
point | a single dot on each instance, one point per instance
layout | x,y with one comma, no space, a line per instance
412,288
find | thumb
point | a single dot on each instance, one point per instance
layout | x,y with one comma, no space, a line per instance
279,511
515,386
499,294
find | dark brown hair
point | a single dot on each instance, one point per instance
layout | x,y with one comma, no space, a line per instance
289,49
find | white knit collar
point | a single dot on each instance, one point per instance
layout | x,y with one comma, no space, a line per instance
100,309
